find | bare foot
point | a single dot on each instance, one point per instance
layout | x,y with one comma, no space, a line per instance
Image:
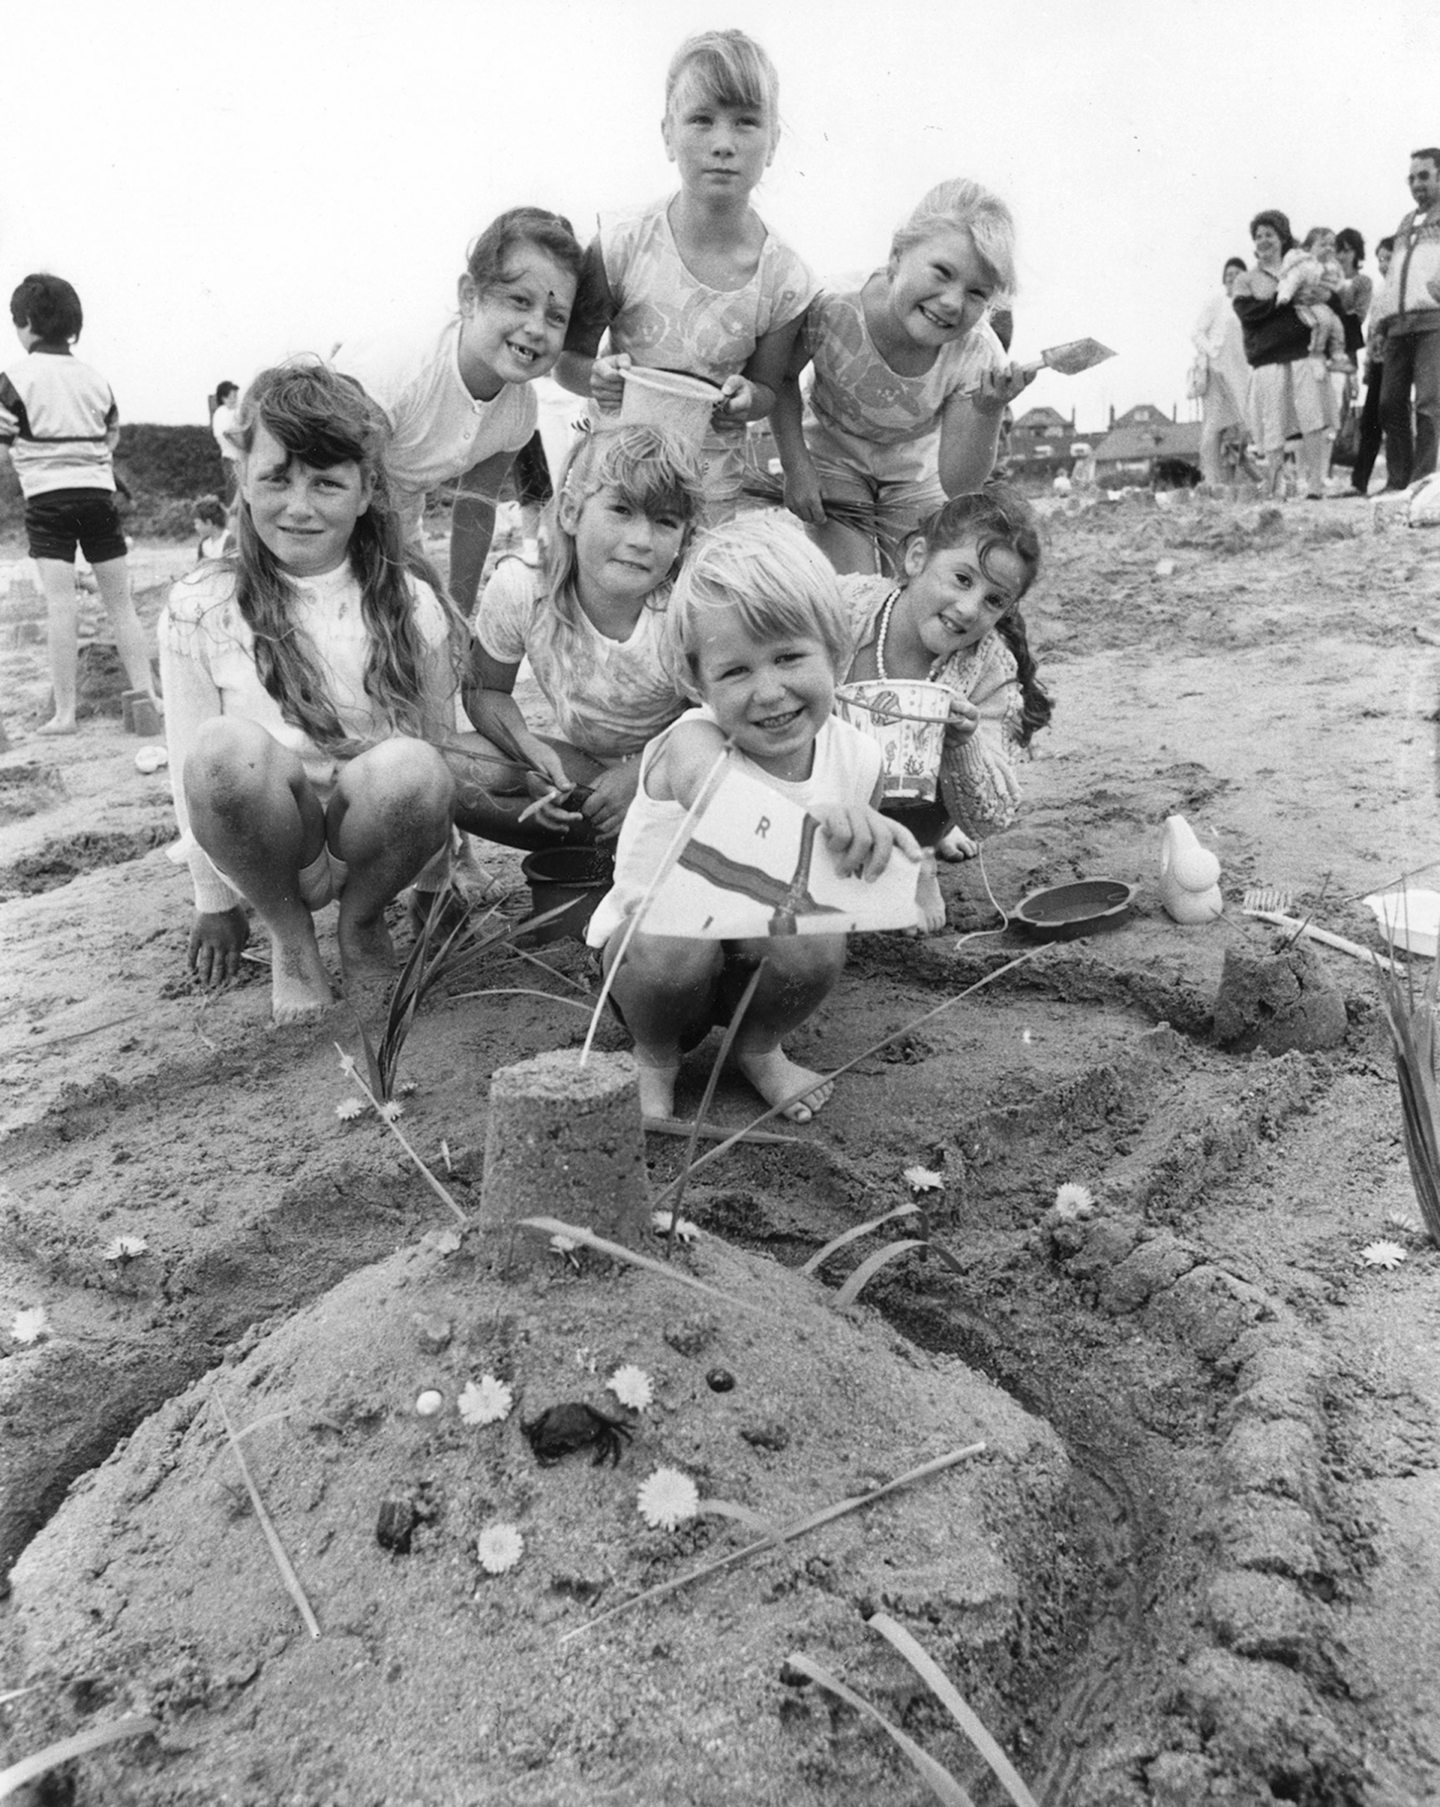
776,1077
299,984
929,904
657,1084
56,726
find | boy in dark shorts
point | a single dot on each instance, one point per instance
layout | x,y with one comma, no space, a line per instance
59,420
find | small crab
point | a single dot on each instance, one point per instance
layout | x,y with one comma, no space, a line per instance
562,1428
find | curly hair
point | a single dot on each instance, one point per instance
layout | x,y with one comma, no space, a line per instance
999,517
323,418
1279,224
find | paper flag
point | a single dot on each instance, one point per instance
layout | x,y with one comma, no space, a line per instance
758,864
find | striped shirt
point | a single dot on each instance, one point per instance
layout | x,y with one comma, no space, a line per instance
56,416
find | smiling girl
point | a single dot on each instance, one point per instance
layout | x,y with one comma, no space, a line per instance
955,620
309,679
697,282
458,402
909,383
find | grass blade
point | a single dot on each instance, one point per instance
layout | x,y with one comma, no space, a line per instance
843,1241
800,1527
553,1226
272,1536
442,1193
39,1763
871,1266
935,1776
737,1016
969,1721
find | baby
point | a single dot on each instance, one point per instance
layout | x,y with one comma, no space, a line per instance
1314,261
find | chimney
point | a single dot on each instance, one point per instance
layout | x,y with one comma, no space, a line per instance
1112,414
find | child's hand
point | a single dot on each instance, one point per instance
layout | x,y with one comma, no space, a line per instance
737,398
610,796
606,384
802,494
963,720
217,940
863,840
996,389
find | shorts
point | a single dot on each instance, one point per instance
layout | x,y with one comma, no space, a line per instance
897,499
1286,399
735,975
323,880
57,519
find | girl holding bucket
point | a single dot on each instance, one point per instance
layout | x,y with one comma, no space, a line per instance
590,623
953,621
909,383
696,283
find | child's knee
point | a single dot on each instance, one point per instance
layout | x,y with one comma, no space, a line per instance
814,962
232,755
403,773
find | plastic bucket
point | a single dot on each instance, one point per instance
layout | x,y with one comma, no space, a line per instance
577,877
669,399
905,717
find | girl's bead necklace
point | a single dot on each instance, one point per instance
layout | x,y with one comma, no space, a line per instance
882,635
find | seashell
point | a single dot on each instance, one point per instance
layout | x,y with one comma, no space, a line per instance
429,1403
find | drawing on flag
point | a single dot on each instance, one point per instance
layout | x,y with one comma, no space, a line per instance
757,865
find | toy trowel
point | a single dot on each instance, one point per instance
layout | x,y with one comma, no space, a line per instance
1069,359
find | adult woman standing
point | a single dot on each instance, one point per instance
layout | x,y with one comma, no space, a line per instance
1287,398
1371,434
1224,404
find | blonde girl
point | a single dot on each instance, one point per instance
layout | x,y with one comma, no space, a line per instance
304,675
591,623
458,399
696,282
760,630
954,619
909,383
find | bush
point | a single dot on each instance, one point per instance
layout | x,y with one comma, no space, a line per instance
165,469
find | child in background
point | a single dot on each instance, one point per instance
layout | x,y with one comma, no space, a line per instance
59,419
909,383
212,523
955,620
222,425
591,624
1314,261
757,620
458,400
696,282
304,676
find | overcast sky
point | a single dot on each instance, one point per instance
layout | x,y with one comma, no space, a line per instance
226,184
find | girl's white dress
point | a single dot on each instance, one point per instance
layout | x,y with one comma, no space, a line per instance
609,696
439,429
846,769
207,668
978,785
667,319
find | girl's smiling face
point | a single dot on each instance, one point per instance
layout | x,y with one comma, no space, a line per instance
771,697
513,330
940,288
952,599
305,514
623,553
1267,246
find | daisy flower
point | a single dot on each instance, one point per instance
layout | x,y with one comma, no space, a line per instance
348,1109
486,1401
685,1231
29,1326
391,1110
499,1547
125,1248
922,1179
1074,1200
1382,1254
631,1386
667,1498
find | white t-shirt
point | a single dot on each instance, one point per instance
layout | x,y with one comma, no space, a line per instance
221,423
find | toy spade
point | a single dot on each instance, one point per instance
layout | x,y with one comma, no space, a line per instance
1069,359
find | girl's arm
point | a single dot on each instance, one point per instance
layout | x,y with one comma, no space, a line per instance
491,706
578,369
472,525
802,486
978,779
751,394
970,428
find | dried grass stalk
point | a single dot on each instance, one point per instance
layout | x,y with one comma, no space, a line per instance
936,1777
1411,1022
39,1763
272,1536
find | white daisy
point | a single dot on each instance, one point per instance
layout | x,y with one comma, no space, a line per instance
1407,1223
348,1109
499,1547
631,1386
1382,1254
391,1110
1074,1200
685,1231
485,1401
667,1499
125,1248
923,1179
30,1325
443,1242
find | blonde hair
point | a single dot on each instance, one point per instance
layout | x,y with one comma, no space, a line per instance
764,568
728,69
964,206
